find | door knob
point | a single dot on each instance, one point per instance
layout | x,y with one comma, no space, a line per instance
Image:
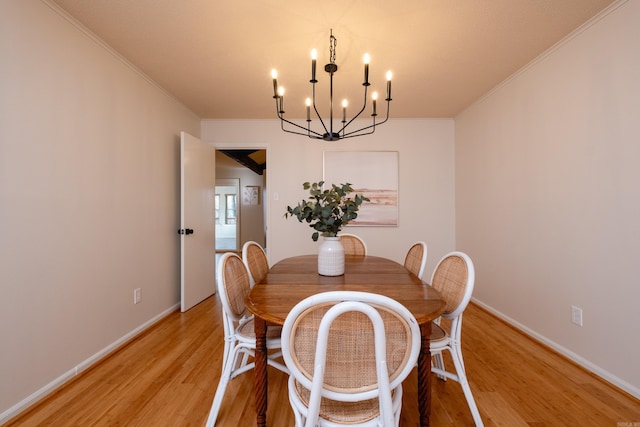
185,231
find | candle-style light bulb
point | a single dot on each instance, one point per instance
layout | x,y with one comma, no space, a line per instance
314,56
344,110
274,76
389,75
281,97
374,97
308,103
366,69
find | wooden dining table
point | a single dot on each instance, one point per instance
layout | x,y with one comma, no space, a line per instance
293,279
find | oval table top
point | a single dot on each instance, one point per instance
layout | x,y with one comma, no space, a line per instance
291,280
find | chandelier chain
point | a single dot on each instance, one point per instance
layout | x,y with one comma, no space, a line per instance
333,42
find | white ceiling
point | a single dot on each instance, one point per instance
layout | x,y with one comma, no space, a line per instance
216,56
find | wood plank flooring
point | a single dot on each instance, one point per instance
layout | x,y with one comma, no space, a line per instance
168,376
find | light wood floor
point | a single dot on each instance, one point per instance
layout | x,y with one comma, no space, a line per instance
168,376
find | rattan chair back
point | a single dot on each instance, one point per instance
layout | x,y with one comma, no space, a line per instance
348,353
233,285
256,261
416,259
353,245
454,278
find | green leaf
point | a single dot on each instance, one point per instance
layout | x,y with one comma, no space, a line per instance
327,209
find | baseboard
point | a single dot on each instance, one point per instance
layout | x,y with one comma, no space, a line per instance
576,358
43,392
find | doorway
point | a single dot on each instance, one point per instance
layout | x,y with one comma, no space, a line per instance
227,215
245,171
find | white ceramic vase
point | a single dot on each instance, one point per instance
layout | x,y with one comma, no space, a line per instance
331,257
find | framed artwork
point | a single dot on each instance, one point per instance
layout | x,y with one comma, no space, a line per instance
372,173
251,195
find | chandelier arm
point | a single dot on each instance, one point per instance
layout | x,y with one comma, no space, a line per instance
358,132
388,108
331,98
372,127
300,133
364,105
308,130
316,110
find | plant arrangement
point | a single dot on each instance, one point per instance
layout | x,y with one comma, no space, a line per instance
328,210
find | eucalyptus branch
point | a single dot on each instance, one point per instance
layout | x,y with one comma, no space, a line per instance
327,210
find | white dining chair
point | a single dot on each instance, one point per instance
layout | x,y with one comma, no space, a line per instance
239,336
453,278
348,353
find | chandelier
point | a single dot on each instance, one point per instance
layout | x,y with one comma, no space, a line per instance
326,128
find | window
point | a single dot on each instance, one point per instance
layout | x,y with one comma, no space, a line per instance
230,208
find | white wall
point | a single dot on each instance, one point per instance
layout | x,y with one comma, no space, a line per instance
548,195
426,194
89,199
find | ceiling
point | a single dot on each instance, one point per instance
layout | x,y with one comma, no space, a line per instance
256,160
216,56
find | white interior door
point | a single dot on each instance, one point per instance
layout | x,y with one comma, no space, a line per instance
197,221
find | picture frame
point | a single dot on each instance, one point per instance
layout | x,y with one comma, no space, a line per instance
251,195
373,174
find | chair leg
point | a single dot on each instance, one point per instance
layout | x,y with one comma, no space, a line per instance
222,387
456,355
234,355
299,419
438,363
245,360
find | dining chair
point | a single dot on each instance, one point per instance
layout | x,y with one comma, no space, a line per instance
453,278
353,245
255,259
348,353
416,259
239,338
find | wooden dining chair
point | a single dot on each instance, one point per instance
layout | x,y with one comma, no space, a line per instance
454,279
416,259
255,259
239,337
348,353
353,245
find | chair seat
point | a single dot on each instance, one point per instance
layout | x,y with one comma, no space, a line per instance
437,334
343,412
247,332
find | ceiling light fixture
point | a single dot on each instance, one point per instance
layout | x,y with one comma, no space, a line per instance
328,133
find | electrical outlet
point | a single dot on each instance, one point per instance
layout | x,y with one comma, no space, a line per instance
137,296
576,315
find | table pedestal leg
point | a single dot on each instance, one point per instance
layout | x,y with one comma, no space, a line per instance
261,371
424,376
